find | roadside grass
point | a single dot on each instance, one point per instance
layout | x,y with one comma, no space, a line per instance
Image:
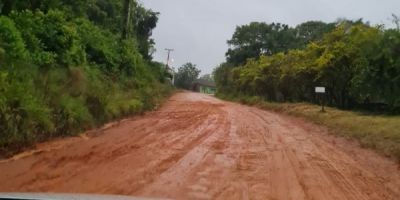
37,106
375,131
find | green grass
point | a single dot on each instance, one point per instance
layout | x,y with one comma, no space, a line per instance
36,106
378,132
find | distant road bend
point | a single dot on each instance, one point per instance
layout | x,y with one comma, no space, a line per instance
199,147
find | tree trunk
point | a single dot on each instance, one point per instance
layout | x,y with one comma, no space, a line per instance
127,18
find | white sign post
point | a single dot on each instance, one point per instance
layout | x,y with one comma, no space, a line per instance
321,91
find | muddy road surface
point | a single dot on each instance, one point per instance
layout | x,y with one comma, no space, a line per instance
199,147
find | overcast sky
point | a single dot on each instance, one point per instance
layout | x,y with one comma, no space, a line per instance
198,29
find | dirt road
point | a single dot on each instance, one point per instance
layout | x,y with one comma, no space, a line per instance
199,147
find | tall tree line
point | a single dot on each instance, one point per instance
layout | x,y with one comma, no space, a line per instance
356,62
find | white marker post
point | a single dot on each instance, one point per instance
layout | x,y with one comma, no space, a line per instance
321,91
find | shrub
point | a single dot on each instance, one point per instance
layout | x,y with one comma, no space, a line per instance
49,37
10,39
24,116
61,74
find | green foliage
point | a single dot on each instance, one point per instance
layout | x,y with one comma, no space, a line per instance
99,44
356,63
64,68
122,106
10,39
312,31
49,38
146,21
106,14
73,113
258,38
64,101
223,78
380,78
131,59
185,76
23,111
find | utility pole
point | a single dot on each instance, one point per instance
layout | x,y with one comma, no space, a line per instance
167,67
169,51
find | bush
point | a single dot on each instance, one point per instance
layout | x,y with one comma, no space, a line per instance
100,45
356,63
49,37
72,115
24,116
61,74
10,39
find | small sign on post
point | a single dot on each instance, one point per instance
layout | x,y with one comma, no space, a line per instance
321,91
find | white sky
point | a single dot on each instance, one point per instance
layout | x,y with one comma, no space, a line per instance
198,29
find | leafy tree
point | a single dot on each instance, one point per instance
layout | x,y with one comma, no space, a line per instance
357,64
379,79
343,56
185,76
222,75
312,31
258,38
146,21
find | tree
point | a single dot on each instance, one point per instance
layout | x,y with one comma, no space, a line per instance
222,75
356,63
259,38
312,31
379,79
145,21
207,77
185,76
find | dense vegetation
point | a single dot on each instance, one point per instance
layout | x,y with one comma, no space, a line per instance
358,64
185,76
67,65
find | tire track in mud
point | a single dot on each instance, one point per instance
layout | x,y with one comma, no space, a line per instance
199,147
343,185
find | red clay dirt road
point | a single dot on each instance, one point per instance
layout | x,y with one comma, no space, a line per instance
199,147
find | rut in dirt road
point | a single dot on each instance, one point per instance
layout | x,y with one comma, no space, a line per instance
199,147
